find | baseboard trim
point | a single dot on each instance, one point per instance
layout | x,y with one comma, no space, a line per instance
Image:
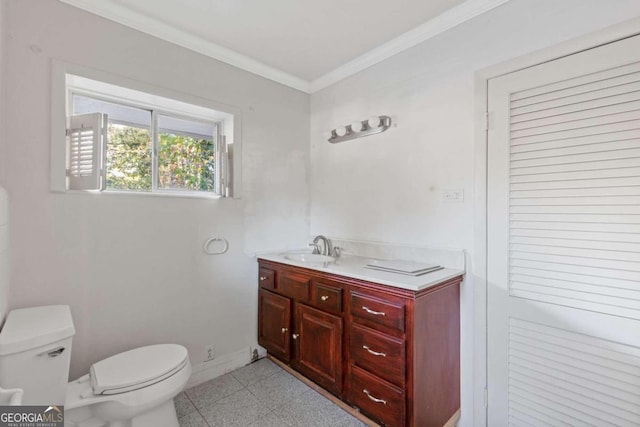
221,365
453,421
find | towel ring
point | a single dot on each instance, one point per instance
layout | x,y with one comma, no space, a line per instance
207,249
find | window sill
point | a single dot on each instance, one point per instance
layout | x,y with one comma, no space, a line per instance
166,194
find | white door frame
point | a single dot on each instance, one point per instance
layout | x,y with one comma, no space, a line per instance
608,35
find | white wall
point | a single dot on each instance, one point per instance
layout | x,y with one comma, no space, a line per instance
4,197
4,253
389,187
132,267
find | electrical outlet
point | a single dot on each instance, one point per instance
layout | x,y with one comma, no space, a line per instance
453,196
208,353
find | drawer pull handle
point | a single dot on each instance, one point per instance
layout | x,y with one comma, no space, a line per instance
375,313
284,330
324,297
263,278
295,336
375,399
375,353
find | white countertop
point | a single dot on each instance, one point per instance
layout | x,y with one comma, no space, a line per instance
354,267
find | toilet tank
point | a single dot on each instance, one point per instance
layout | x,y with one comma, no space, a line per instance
35,351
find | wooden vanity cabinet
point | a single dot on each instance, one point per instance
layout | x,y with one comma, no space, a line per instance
318,347
391,353
311,339
274,312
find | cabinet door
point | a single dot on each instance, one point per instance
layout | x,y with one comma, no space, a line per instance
318,341
274,322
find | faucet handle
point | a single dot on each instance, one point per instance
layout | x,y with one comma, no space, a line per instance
316,249
337,251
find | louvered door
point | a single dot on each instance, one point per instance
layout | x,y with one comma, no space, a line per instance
564,241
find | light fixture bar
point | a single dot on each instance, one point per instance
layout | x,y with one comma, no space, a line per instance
367,127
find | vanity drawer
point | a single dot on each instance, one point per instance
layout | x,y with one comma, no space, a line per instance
384,312
326,297
378,353
266,278
381,400
293,285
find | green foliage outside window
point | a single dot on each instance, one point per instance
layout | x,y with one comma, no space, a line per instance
128,158
184,162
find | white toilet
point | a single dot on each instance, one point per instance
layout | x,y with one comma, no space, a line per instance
131,389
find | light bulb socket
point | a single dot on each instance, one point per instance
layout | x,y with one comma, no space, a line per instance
356,126
341,131
373,122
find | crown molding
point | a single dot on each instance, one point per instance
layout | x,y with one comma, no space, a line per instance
122,15
110,10
441,23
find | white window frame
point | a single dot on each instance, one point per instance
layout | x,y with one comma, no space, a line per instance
154,112
68,79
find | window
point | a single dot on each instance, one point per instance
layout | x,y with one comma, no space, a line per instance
123,140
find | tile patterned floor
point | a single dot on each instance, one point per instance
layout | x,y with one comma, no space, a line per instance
258,395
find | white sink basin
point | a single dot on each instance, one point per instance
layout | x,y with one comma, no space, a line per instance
309,258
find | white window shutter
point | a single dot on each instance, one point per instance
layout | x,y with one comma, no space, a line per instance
87,134
224,164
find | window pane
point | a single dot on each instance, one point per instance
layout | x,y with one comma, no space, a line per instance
186,154
128,158
118,113
129,143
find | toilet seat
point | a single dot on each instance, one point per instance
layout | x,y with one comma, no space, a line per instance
137,368
147,404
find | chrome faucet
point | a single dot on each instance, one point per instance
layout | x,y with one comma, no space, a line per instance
326,246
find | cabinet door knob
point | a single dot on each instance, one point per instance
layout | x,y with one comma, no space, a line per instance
375,313
375,353
375,399
263,277
324,297
295,336
284,330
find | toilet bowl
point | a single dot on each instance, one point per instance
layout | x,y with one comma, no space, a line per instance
133,389
130,389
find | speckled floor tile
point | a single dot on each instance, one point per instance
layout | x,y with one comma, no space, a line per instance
206,394
271,420
183,405
313,410
238,410
259,395
194,419
352,422
278,389
256,372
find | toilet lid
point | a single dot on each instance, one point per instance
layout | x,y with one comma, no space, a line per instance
137,368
